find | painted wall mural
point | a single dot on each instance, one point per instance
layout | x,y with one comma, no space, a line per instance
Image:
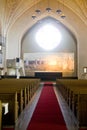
57,62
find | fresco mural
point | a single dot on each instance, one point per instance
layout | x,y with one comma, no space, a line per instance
57,62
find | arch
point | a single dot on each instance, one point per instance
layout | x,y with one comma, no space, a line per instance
28,24
47,18
53,20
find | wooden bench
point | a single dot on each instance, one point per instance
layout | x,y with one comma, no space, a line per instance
30,86
11,97
78,104
75,94
16,93
16,86
0,115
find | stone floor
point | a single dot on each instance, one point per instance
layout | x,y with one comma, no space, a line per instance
25,117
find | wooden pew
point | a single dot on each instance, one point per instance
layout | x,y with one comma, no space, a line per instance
10,97
30,86
15,85
0,115
79,105
76,97
16,92
32,83
65,84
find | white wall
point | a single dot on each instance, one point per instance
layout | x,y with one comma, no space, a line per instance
67,44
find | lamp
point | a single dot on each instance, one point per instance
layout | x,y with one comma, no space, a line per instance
85,70
63,15
59,11
33,16
38,11
48,9
0,47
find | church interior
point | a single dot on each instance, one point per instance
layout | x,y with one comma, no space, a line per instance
43,64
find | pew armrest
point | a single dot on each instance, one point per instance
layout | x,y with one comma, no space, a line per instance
5,105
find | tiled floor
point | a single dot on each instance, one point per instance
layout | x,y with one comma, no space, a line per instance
25,117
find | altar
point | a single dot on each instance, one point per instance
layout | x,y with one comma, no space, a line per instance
45,75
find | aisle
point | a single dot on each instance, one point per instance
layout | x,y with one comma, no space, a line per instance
47,114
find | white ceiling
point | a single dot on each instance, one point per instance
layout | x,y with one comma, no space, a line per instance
13,10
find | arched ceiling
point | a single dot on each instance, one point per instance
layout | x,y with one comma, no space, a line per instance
12,10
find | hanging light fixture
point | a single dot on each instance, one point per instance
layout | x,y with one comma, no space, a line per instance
48,9
63,15
33,16
58,10
38,11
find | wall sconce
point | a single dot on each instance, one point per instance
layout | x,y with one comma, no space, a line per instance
85,70
0,47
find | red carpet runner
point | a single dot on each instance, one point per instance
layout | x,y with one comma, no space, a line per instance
47,115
